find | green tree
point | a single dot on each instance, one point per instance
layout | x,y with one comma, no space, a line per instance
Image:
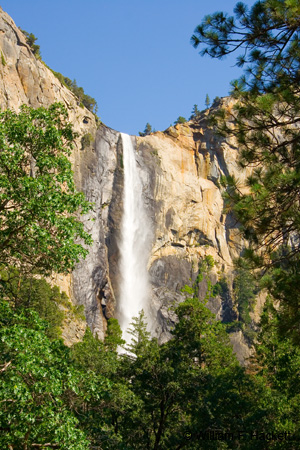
39,205
35,376
170,382
180,119
31,39
98,356
244,288
84,99
265,118
277,360
207,101
98,414
147,130
29,293
195,113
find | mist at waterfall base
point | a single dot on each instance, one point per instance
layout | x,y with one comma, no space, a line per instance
134,244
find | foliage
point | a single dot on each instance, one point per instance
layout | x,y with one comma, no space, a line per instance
168,380
31,39
264,121
84,99
179,120
207,101
271,102
93,354
245,290
34,294
195,113
191,385
277,359
147,130
155,397
113,338
86,140
38,201
34,377
3,60
282,283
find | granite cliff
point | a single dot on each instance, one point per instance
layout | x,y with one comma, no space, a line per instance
180,170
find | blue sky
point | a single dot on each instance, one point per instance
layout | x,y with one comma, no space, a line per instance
134,57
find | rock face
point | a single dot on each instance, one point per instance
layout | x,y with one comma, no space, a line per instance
180,170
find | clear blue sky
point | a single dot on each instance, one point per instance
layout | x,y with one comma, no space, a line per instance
134,57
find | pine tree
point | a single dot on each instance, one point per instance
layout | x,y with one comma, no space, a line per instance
207,101
266,116
180,119
195,113
31,39
147,130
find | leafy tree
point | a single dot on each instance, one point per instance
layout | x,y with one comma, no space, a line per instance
147,130
265,117
35,375
39,204
97,413
180,119
89,102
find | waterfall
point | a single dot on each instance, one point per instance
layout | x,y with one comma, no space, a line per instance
134,244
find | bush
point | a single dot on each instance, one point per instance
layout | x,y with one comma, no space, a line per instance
86,141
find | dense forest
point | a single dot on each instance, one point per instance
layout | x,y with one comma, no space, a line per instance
189,392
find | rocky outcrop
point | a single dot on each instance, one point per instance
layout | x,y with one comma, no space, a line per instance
180,170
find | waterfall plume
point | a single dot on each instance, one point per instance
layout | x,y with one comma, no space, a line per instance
134,244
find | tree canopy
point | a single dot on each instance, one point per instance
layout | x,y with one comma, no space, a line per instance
148,130
31,39
265,123
180,119
39,205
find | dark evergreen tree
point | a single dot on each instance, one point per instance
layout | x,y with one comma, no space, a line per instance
207,101
180,119
195,113
31,41
147,130
266,116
